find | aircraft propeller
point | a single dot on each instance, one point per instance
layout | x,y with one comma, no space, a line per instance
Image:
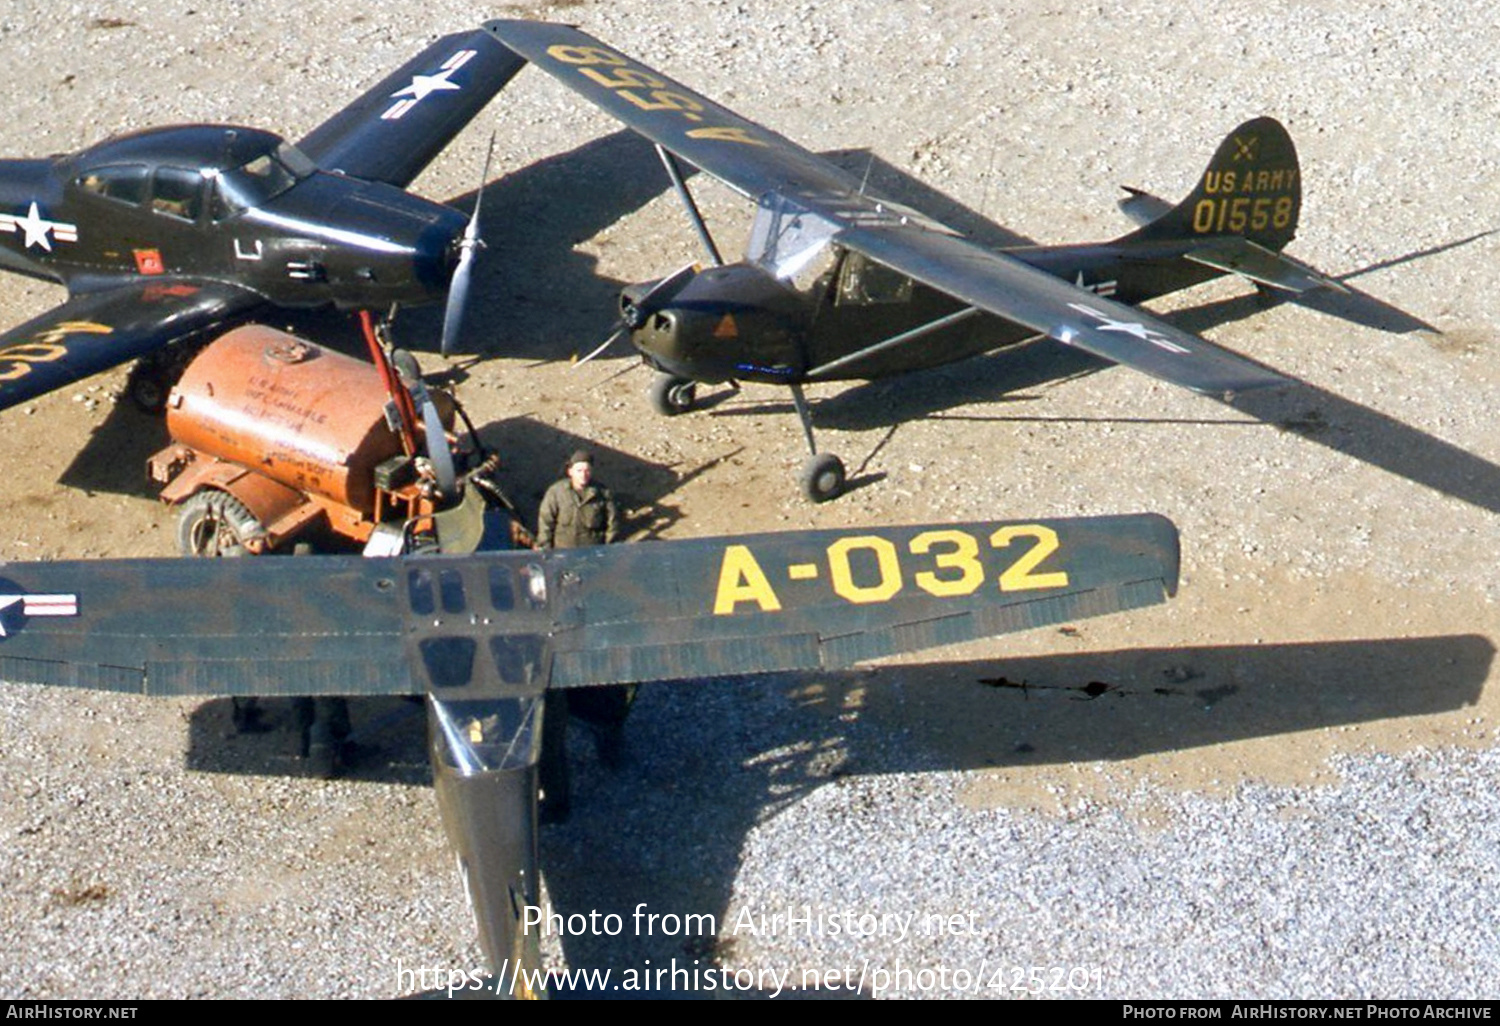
635,312
468,247
432,424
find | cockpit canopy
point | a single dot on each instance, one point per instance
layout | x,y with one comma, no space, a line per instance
180,172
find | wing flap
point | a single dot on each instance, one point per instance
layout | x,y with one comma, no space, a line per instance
1008,288
94,331
399,125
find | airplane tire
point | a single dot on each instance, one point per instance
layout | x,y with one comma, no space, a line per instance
214,524
147,387
671,395
823,477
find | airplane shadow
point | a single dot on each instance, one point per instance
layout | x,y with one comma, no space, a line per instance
706,763
1316,414
534,295
113,460
710,762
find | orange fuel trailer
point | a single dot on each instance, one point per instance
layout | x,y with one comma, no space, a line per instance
276,439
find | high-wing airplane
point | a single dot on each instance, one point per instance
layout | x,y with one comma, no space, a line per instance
164,234
484,636
838,284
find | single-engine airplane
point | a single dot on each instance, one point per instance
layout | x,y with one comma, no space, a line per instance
838,284
484,636
164,234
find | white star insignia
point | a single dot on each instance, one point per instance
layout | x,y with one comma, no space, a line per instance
38,231
423,86
1132,328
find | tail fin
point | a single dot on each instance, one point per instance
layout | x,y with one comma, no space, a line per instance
1251,188
1243,210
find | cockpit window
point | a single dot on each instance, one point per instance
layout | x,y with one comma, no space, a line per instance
177,192
259,181
124,183
863,282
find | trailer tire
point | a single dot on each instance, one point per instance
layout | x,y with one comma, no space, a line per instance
213,524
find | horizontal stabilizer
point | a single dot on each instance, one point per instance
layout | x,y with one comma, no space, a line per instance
1248,260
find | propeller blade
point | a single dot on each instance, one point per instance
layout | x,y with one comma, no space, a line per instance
438,452
618,333
458,289
437,447
659,295
468,247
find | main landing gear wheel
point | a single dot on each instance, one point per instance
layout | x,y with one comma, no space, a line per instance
147,387
214,524
823,477
671,395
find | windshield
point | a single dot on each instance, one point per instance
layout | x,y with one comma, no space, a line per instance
258,181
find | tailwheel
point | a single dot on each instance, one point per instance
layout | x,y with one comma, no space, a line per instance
671,395
823,477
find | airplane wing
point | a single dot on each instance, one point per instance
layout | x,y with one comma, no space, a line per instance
94,331
511,624
1050,306
750,158
761,163
396,128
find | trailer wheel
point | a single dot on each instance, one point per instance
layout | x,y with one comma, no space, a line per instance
214,524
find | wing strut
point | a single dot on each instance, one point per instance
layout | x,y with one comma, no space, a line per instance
834,366
675,173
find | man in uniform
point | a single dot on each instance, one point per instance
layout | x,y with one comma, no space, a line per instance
578,511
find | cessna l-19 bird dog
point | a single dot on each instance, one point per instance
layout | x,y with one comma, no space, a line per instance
164,234
484,636
838,284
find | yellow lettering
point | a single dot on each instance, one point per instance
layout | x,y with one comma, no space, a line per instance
742,580
885,561
964,558
662,99
1019,576
624,78
584,55
1283,214
1203,216
34,352
725,134
62,329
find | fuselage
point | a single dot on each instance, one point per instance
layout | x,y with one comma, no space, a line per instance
221,203
740,323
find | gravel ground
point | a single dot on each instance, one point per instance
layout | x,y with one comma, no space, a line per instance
1285,790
